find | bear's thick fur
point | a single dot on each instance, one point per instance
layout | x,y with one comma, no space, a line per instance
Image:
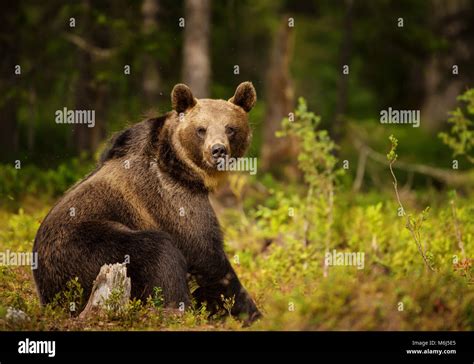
147,204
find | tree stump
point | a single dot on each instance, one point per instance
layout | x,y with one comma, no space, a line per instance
111,290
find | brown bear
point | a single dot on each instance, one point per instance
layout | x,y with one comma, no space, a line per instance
147,204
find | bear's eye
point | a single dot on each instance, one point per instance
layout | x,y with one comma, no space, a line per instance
201,132
230,131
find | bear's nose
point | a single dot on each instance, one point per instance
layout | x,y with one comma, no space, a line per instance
218,151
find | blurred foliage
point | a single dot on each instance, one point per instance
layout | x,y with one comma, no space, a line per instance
461,137
317,162
15,183
387,63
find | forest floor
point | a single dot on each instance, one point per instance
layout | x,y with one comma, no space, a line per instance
387,287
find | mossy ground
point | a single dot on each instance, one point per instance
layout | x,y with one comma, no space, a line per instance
394,290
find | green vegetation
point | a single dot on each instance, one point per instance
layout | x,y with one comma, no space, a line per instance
18,181
461,138
279,238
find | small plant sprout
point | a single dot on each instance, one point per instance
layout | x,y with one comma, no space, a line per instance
413,224
228,303
158,298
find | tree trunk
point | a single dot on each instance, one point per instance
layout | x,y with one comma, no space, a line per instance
99,132
440,96
31,128
90,94
196,59
151,75
9,137
83,87
337,126
279,101
441,86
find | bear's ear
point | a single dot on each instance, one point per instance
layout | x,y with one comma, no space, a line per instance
182,98
245,96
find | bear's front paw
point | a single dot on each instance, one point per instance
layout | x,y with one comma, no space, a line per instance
254,316
246,310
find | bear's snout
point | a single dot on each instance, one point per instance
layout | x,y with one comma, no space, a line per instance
218,151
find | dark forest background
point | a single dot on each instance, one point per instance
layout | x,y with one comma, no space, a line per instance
82,67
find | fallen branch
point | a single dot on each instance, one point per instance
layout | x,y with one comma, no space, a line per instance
447,176
96,52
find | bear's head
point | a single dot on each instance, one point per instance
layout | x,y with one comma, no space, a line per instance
209,130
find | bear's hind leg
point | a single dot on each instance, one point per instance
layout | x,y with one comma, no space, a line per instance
151,257
162,266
